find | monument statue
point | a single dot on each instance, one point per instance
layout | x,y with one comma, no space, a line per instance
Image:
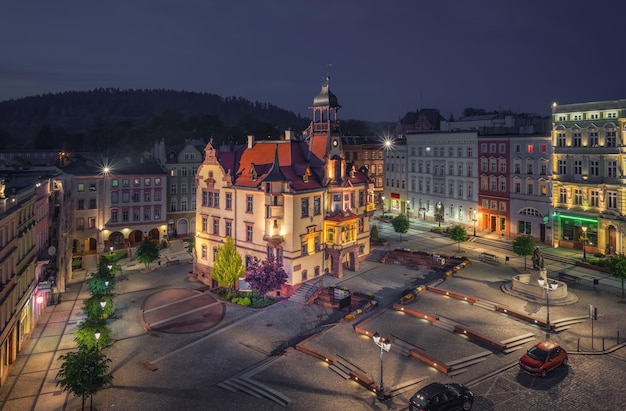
537,259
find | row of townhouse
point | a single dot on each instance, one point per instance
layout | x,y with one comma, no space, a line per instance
34,232
565,187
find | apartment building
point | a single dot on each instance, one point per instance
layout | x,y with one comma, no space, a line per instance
116,205
181,162
443,176
589,182
530,198
367,152
24,212
394,198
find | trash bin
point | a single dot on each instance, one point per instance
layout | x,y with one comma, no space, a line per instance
507,258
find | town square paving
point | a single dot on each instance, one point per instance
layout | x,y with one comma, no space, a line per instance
228,365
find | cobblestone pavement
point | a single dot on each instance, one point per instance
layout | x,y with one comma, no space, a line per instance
190,370
593,382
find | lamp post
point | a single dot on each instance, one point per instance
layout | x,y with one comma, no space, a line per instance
103,304
474,219
384,345
549,286
97,335
584,239
383,198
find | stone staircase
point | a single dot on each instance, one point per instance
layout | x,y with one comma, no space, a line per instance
244,382
304,293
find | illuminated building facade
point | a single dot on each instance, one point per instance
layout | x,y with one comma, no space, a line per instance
295,200
589,181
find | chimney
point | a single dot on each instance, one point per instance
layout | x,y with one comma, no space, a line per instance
287,135
250,141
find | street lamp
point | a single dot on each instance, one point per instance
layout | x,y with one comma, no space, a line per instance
584,239
384,345
549,286
97,335
103,304
474,219
383,198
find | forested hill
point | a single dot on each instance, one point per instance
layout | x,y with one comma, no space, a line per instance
132,120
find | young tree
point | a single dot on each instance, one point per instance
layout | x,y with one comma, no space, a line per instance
374,234
228,266
92,334
190,247
458,234
400,224
617,267
524,246
265,276
147,252
99,307
84,372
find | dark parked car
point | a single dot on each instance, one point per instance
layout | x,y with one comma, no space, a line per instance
437,396
543,357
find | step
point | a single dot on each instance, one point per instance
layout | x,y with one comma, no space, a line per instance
519,343
339,370
468,363
485,305
403,347
268,392
516,338
481,354
570,320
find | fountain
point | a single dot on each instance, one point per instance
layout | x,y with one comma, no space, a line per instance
528,284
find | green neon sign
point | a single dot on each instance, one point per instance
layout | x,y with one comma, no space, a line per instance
591,220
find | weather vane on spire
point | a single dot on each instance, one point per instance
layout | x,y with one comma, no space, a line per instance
327,79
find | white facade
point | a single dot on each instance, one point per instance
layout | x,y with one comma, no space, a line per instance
443,176
530,187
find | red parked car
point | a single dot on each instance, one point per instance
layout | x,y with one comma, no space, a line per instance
542,358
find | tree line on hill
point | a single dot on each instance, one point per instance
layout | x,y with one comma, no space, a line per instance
132,120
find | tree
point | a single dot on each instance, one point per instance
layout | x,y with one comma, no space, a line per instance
458,234
191,244
228,266
94,310
85,335
374,234
84,372
617,267
265,276
524,246
147,252
400,224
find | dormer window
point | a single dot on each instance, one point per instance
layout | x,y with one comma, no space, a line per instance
307,174
253,172
352,171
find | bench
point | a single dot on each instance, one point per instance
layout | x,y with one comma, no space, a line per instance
489,258
569,277
172,261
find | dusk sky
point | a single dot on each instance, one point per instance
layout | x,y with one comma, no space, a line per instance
388,57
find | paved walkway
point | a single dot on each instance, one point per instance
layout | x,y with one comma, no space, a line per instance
191,367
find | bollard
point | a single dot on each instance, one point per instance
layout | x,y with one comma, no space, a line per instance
618,336
602,343
578,346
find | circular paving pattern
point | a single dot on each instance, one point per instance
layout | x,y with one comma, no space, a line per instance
181,311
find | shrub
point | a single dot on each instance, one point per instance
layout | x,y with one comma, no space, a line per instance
245,301
598,255
77,262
